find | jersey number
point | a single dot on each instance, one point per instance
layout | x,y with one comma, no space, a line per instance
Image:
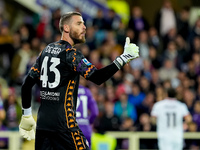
52,68
84,100
171,119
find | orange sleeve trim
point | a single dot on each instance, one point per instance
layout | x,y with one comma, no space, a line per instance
89,69
68,49
35,69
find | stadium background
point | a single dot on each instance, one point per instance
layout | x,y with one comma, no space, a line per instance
167,60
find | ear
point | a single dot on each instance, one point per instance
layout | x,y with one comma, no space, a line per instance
66,28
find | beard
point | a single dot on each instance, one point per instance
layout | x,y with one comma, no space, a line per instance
75,37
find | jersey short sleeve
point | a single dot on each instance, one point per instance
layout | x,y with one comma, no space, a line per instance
155,110
184,110
79,63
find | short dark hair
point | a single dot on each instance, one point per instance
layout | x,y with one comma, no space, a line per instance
171,92
66,18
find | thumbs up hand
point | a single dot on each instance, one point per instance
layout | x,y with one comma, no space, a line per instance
131,51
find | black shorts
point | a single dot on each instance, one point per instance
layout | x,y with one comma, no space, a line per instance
48,140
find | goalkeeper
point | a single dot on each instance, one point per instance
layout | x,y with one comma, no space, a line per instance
57,71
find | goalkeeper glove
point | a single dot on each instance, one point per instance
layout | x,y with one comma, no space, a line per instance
131,51
27,127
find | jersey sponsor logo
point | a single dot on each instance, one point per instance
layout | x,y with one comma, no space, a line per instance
86,62
49,95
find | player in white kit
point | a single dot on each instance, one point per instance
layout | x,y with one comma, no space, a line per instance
170,114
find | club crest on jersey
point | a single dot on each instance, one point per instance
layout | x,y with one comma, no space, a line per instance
86,62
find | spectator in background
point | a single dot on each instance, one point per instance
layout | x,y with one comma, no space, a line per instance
16,41
35,45
196,60
19,64
127,125
110,120
45,20
193,144
159,93
145,125
155,80
166,18
25,34
3,141
90,38
55,21
95,58
168,71
155,40
137,96
169,114
171,53
112,20
137,22
121,33
6,49
123,108
86,110
117,78
196,114
110,93
195,32
131,33
13,111
99,21
191,74
183,22
170,36
147,69
144,85
147,104
126,85
198,93
154,58
143,44
47,36
196,45
183,52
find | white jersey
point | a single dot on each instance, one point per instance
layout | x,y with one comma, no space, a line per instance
170,114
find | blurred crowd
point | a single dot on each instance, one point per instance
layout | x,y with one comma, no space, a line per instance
169,58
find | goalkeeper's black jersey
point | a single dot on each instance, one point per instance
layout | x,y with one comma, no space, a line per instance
58,67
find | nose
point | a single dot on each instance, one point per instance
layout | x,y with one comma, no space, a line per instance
84,27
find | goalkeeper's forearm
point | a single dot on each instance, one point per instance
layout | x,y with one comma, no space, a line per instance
26,91
101,75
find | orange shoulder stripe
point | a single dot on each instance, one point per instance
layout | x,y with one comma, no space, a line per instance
35,69
89,69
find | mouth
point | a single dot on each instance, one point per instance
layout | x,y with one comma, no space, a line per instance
83,33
